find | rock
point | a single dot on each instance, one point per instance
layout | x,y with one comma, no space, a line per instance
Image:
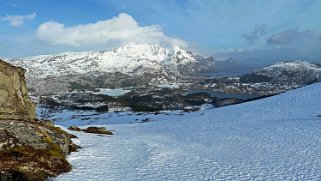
14,100
72,136
74,128
227,102
30,149
27,163
146,120
92,129
97,130
74,147
33,150
12,176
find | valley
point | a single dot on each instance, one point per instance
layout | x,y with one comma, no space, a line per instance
141,90
150,78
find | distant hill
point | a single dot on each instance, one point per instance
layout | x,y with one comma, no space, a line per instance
298,71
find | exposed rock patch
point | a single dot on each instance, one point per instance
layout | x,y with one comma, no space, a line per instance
97,130
74,128
92,129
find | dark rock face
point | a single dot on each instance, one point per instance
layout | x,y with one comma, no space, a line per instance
29,149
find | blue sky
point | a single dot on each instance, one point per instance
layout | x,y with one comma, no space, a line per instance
245,30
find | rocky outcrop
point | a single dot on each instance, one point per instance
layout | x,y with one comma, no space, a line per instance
92,129
14,100
97,130
30,149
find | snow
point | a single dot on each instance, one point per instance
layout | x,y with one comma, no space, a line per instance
170,86
83,118
112,92
295,65
277,138
126,59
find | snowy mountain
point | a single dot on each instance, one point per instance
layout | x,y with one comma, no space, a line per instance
298,71
130,59
129,65
277,138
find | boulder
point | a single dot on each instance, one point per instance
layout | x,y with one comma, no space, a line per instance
97,130
74,128
92,129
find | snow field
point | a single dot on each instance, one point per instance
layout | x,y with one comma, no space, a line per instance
276,138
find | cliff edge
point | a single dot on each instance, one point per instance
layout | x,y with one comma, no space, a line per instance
14,100
30,149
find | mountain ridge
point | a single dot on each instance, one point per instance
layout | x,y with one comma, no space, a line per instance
130,59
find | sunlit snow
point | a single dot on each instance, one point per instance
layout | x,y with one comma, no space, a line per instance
276,138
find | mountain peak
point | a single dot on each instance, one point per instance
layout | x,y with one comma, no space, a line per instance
141,51
128,59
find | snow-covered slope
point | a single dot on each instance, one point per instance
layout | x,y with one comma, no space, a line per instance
129,59
277,138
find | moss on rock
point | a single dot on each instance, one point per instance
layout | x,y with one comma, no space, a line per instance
43,157
20,163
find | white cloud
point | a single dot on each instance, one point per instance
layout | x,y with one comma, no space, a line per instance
17,20
116,31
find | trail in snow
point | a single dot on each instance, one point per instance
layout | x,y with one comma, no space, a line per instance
276,138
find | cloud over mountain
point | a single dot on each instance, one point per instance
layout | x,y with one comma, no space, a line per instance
117,31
